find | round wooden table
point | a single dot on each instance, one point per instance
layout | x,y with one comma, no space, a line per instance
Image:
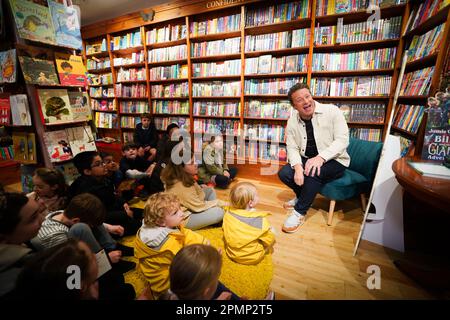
426,222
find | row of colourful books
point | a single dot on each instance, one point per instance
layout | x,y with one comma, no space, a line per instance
130,40
14,110
106,120
277,13
100,79
216,108
170,107
228,127
97,47
211,69
426,44
216,47
351,86
217,89
271,86
266,64
168,54
132,74
175,71
130,91
279,40
408,117
261,151
356,60
363,112
103,105
365,134
216,25
330,7
55,24
166,34
417,82
425,10
134,106
268,109
135,57
265,132
97,64
383,29
129,122
170,90
101,92
161,123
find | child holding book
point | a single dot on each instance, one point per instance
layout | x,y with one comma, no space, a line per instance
160,238
247,233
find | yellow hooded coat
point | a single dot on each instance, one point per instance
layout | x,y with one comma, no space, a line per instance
247,234
156,254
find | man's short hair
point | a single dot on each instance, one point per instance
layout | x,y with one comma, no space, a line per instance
84,160
146,115
296,87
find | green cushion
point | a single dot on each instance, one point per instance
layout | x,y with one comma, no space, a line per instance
348,186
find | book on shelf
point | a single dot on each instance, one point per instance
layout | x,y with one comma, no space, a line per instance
345,109
81,139
55,106
69,170
79,103
20,111
264,64
8,66
26,177
5,111
66,24
24,147
71,69
57,144
38,71
6,145
33,21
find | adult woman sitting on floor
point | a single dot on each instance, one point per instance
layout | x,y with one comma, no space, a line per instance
179,178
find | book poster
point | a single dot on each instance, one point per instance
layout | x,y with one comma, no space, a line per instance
81,139
20,111
66,24
8,66
57,144
55,106
436,144
71,70
79,102
37,71
33,21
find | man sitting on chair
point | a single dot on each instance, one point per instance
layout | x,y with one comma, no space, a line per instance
316,141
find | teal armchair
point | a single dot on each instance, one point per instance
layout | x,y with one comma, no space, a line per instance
357,178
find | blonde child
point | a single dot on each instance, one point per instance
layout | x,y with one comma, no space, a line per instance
247,233
160,238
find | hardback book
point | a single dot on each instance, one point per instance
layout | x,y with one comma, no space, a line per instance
37,71
26,177
254,109
20,110
79,102
363,88
33,21
69,170
8,66
264,64
284,110
5,111
57,144
20,142
71,70
291,64
66,24
81,139
31,148
55,106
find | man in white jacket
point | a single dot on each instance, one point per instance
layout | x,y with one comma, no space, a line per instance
316,139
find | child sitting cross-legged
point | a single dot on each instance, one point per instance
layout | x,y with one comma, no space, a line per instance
160,238
247,233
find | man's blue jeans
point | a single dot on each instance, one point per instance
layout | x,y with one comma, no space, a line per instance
311,186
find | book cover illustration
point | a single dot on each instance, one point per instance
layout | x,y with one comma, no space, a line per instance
436,144
66,24
55,106
71,70
284,110
57,144
20,110
254,109
31,148
33,21
264,64
5,111
37,71
81,139
8,66
20,142
69,170
291,64
79,102
26,177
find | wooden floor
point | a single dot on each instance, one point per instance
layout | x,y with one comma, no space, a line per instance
316,262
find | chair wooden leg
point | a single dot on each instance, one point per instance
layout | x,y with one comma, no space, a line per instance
331,212
363,201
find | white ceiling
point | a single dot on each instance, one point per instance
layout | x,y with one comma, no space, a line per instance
98,10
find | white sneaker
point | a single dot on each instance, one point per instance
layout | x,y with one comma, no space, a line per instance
293,222
290,204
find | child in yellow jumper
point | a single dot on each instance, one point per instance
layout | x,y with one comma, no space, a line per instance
160,238
248,235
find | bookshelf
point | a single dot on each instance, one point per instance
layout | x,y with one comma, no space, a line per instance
266,47
425,36
57,99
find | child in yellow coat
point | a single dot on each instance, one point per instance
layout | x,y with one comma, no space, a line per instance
160,238
247,233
